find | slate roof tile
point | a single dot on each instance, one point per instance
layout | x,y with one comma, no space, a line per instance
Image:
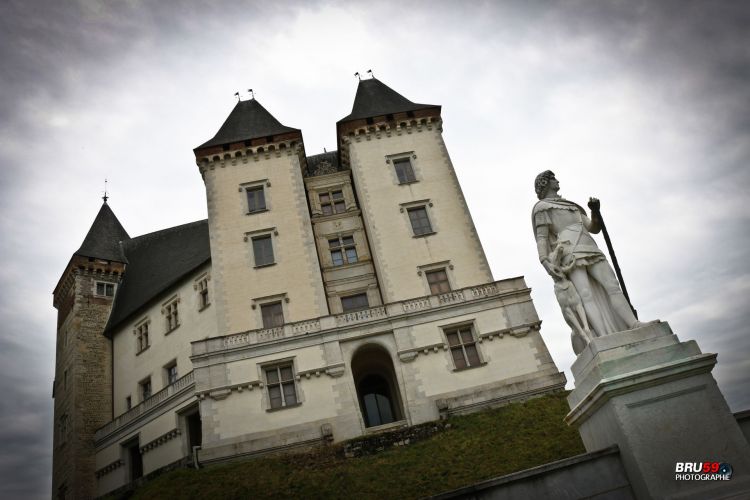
104,237
374,98
157,261
248,120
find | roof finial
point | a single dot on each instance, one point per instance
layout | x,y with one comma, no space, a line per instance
252,94
105,197
372,75
237,95
357,75
324,150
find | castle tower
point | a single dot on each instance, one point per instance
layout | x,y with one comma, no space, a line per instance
416,216
82,389
262,247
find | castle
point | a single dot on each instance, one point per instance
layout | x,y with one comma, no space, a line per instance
325,297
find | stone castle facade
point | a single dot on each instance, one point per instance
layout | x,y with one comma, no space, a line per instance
324,298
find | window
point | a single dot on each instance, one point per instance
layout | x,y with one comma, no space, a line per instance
420,223
404,170
273,314
355,302
128,403
256,199
105,289
202,287
170,371
263,251
343,250
332,202
438,281
145,389
141,332
170,311
463,347
280,383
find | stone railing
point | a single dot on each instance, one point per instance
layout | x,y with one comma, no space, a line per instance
391,310
361,316
144,407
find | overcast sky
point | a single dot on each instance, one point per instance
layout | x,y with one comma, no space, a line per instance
644,105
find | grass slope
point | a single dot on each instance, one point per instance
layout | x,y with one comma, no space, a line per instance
476,447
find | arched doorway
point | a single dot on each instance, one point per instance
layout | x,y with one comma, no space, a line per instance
377,388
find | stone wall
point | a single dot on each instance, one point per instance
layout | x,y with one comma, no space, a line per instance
597,475
83,376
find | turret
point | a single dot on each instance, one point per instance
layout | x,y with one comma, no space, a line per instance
421,234
82,389
265,265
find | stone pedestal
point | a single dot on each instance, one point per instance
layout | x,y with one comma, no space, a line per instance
655,398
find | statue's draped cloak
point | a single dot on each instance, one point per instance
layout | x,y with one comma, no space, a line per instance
567,222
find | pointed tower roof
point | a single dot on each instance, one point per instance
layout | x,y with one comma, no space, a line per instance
248,120
104,237
375,98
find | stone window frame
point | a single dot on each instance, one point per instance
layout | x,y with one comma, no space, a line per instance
262,375
200,285
411,156
167,372
142,393
437,266
445,330
105,284
171,313
259,302
142,327
343,248
269,232
406,208
260,184
354,293
333,201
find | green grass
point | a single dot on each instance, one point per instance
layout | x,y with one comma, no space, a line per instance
476,447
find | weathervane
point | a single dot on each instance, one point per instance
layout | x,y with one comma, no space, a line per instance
371,73
237,95
252,94
357,75
105,197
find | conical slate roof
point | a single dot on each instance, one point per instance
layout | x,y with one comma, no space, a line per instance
375,98
104,237
248,120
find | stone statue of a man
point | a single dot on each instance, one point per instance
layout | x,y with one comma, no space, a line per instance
571,257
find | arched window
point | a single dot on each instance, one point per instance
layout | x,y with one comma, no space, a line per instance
377,386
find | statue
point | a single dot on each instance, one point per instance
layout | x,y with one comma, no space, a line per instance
585,285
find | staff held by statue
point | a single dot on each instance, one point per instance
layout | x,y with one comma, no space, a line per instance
596,214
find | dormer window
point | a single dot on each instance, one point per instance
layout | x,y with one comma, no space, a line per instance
171,314
141,335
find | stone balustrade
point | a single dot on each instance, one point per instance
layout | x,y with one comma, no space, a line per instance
156,399
376,313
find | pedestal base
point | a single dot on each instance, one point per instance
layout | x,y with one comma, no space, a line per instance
655,398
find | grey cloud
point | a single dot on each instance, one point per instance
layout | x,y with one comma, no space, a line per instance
62,56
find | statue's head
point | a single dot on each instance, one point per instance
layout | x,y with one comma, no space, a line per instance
541,182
